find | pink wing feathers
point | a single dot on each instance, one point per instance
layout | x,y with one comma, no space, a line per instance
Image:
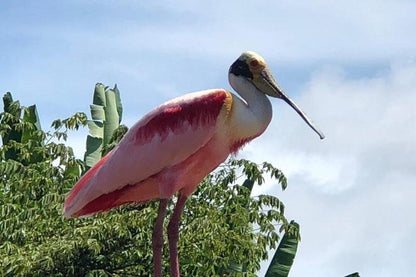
161,139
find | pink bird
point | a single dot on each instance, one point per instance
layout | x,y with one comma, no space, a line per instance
172,148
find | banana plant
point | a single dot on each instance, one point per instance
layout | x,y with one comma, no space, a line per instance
16,128
286,251
106,114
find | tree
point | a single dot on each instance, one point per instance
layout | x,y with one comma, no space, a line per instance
224,229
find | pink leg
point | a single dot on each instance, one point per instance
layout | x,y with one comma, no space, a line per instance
173,235
157,238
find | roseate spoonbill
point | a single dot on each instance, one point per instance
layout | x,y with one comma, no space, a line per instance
172,148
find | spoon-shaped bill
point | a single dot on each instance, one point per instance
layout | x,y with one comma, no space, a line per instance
302,114
268,85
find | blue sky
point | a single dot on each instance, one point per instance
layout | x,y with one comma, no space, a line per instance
350,65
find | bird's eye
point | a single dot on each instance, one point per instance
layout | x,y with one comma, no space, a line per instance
254,63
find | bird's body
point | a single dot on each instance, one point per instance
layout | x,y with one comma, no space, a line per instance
172,148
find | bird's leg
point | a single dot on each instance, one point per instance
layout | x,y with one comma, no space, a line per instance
157,238
173,235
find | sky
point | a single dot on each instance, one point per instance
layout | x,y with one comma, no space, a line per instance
350,65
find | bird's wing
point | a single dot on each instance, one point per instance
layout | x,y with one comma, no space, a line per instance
164,137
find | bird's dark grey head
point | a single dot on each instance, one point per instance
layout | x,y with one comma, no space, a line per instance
253,68
241,68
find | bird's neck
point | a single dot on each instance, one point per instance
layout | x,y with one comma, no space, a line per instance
252,114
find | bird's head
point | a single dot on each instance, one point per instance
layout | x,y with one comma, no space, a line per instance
253,68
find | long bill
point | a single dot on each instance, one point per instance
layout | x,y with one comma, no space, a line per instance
268,84
302,114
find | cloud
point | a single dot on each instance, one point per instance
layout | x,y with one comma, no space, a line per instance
55,53
352,193
299,32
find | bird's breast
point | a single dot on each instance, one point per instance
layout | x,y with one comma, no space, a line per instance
247,121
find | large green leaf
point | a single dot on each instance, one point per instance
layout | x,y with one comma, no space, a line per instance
30,115
97,112
106,117
96,128
93,153
17,130
118,102
7,101
248,183
13,111
99,95
285,254
111,121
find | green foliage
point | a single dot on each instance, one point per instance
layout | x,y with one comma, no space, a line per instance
239,228
118,134
32,187
106,113
15,130
224,230
286,251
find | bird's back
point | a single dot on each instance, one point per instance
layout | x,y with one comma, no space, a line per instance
163,138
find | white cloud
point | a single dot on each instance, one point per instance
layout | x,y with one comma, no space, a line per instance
55,53
288,31
353,192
